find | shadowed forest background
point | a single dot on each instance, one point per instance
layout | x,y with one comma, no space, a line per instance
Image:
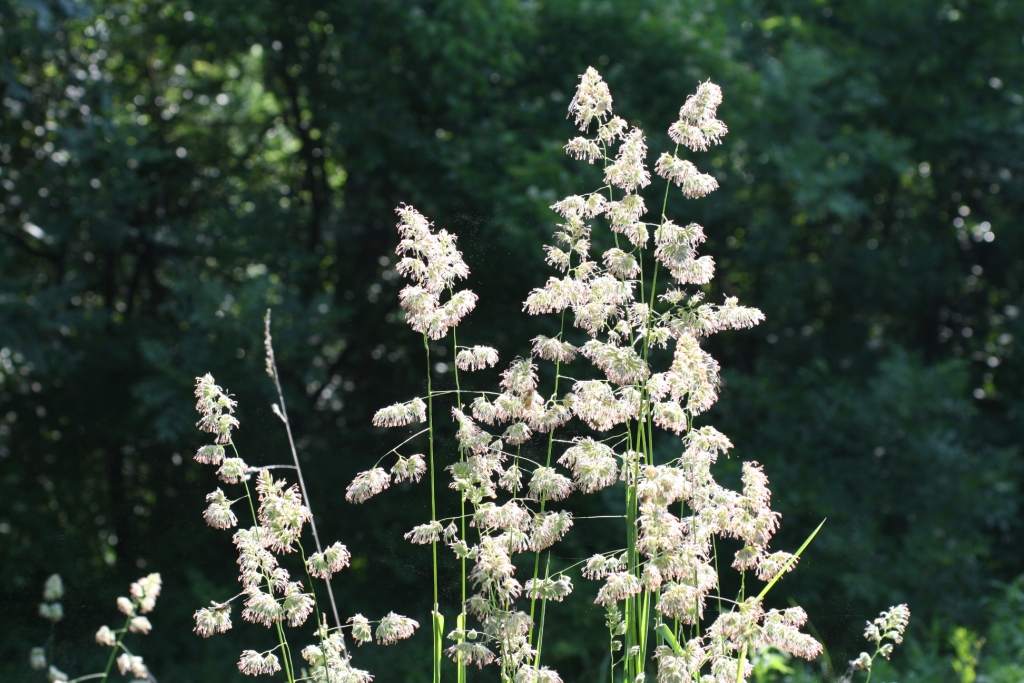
168,171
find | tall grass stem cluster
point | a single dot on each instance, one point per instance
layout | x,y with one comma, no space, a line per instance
613,402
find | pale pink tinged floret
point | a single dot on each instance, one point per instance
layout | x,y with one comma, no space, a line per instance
140,625
709,439
233,470
254,663
670,415
697,127
367,484
409,469
629,171
889,625
680,667
556,257
573,205
487,412
127,662
104,636
612,129
625,211
553,349
417,300
508,516
732,316
401,414
471,652
682,602
516,434
471,437
661,485
594,402
425,534
214,619
548,484
520,377
770,566
394,627
550,417
548,528
333,559
556,295
593,464
683,173
511,479
622,364
218,514
494,570
592,99
125,606
210,455
145,591
533,674
261,608
476,358
297,605
584,149
361,631
621,264
617,587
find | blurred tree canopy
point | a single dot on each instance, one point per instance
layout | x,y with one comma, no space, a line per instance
171,170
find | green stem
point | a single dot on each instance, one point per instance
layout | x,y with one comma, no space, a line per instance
543,612
547,463
117,646
740,662
316,604
295,458
460,663
433,514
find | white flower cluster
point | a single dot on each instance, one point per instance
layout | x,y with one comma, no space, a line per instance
673,557
889,626
628,328
215,408
433,263
271,597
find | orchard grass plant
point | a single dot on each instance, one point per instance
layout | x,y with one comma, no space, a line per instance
624,371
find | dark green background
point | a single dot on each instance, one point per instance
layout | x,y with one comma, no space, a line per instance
170,170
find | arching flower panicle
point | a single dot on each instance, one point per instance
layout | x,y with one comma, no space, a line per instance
401,414
584,149
683,173
367,484
592,99
409,469
332,560
629,170
394,627
476,358
553,349
697,127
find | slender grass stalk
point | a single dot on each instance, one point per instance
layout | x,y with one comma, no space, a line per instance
282,412
460,662
436,623
114,650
